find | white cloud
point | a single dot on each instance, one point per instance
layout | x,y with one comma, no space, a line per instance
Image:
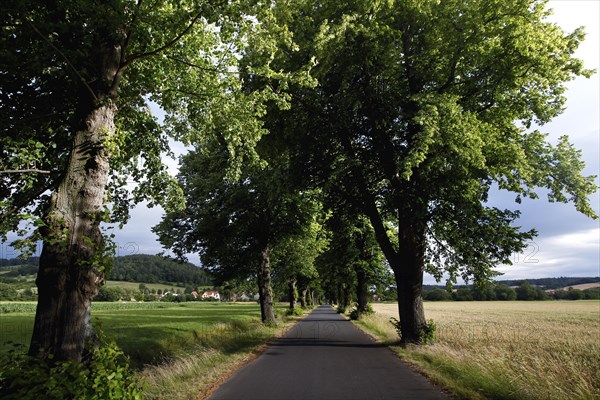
569,254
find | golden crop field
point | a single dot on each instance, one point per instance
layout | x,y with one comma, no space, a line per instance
508,350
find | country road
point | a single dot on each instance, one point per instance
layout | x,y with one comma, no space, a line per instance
325,357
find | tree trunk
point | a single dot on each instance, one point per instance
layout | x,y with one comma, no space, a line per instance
362,291
265,290
303,298
409,281
347,296
408,264
69,274
292,292
340,298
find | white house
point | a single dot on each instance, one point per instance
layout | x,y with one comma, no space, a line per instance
211,294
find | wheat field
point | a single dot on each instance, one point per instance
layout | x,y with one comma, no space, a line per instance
507,350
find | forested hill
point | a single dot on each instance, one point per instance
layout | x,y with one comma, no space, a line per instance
544,283
154,269
553,283
134,268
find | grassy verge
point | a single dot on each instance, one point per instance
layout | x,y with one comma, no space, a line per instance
181,350
505,350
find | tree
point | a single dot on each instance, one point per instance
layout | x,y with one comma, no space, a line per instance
76,77
526,291
574,294
353,262
437,295
422,107
504,292
239,226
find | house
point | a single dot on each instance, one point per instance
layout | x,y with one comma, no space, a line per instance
242,297
211,295
195,294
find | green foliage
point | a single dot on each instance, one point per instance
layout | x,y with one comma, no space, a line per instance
437,295
182,55
592,294
463,294
504,292
296,311
357,314
526,291
572,294
154,269
427,335
7,292
352,250
114,294
103,375
427,107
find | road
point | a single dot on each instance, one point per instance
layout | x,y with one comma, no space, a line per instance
326,357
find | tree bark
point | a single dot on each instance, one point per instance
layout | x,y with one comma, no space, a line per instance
292,292
408,263
265,290
303,297
347,296
69,276
409,281
362,291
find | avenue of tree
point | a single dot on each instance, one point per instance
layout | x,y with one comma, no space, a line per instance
332,141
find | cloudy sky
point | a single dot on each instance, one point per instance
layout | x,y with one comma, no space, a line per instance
568,243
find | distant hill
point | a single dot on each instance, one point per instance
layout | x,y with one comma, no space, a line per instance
134,268
156,269
583,286
553,283
544,283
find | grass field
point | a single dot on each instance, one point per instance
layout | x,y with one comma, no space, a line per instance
506,350
180,349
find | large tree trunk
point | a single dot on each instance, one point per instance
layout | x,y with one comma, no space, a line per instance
265,291
409,281
70,264
292,292
408,263
69,276
362,291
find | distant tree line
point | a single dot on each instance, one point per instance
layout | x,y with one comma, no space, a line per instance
134,268
503,292
19,291
143,293
156,269
554,283
11,262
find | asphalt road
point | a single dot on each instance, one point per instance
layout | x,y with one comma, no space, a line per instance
325,357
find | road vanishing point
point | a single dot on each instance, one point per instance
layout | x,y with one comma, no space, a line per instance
325,357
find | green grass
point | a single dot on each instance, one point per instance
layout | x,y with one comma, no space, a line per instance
181,349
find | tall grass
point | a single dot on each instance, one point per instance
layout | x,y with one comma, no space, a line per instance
507,350
207,360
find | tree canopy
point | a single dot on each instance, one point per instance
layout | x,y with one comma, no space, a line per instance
407,113
77,77
421,109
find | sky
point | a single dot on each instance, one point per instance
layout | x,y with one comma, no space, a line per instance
568,243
